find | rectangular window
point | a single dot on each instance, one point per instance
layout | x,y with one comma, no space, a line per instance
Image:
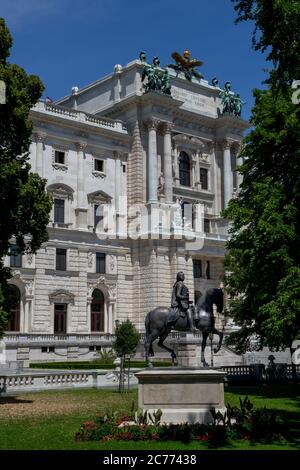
59,211
15,257
197,265
206,226
204,178
98,217
208,270
124,168
98,165
100,263
59,157
60,320
61,259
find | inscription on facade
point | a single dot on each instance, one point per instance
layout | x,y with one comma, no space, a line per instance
193,100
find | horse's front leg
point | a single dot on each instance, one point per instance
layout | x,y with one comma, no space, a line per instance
220,334
203,345
149,349
163,346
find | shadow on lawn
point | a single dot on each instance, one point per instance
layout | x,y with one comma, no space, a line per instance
13,400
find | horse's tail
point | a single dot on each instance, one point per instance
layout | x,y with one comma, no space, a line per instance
148,332
147,324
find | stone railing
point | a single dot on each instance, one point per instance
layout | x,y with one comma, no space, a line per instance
39,338
80,116
12,383
103,338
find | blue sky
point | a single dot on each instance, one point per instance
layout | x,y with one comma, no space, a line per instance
75,42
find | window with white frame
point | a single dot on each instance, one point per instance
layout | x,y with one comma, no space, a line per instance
62,196
98,165
204,178
60,158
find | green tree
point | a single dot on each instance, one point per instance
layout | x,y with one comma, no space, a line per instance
25,206
263,279
125,343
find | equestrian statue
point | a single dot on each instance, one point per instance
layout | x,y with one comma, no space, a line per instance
183,316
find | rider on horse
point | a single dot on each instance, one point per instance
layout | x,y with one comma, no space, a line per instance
180,302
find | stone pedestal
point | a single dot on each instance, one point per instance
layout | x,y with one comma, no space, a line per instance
183,394
187,351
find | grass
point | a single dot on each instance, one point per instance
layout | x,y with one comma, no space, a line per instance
49,420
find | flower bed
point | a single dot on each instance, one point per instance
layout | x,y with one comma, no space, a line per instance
243,422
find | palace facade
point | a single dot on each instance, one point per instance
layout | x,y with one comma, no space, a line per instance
104,144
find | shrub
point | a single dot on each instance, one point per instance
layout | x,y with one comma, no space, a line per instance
243,422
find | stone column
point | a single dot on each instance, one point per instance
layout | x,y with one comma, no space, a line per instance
118,189
152,160
167,128
238,162
227,173
193,165
80,174
197,168
176,165
39,166
81,210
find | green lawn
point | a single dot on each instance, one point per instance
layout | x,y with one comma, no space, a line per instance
49,420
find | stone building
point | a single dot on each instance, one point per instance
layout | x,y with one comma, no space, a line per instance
109,141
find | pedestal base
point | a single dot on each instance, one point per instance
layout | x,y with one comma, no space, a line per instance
185,395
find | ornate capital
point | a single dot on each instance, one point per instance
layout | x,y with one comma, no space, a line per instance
236,147
167,127
225,144
211,146
40,136
152,124
81,146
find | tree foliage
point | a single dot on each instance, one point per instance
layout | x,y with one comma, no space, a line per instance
127,339
276,32
25,206
125,343
263,277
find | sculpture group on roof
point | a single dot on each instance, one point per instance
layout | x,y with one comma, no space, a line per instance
156,78
231,102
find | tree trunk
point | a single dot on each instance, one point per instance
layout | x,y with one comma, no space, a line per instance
294,370
121,379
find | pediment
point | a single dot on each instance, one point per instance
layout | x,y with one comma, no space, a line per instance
99,197
61,296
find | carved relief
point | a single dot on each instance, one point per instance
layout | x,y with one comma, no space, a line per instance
61,296
90,258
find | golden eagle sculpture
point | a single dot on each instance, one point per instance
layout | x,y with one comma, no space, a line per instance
186,65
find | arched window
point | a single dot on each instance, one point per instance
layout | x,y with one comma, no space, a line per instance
97,311
14,320
184,169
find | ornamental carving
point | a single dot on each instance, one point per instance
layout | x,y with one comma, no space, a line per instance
61,296
109,289
90,258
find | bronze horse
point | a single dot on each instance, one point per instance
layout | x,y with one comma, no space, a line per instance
158,324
